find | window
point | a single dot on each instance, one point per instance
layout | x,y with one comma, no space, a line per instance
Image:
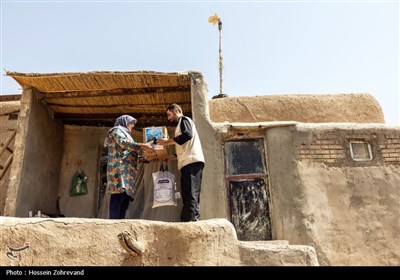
13,117
360,150
245,157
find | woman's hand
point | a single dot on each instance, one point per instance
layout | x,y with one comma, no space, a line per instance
147,147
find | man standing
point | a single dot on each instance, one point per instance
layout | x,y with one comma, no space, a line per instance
190,161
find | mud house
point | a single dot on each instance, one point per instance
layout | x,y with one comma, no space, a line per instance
319,170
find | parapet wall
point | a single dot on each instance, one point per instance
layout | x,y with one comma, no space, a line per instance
94,242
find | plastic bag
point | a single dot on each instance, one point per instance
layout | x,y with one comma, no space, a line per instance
78,185
164,188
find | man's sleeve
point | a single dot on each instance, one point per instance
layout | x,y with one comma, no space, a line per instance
187,132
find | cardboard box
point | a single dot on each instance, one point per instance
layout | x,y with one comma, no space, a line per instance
157,132
151,133
157,153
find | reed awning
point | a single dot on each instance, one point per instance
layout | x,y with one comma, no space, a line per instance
98,98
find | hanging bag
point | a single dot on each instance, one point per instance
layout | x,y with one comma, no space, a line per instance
164,187
78,185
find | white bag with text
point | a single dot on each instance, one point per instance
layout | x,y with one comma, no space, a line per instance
164,188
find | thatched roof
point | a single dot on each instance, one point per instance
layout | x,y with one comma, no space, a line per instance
98,98
307,108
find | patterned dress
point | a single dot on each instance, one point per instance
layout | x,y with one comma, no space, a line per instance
122,167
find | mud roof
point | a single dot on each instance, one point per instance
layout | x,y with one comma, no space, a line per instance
305,108
98,98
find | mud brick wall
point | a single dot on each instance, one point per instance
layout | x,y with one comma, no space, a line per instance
329,149
390,148
333,147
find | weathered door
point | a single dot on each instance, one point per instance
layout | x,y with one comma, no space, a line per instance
246,177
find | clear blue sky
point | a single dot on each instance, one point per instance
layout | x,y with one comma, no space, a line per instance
269,48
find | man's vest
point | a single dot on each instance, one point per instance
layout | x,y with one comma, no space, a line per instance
191,151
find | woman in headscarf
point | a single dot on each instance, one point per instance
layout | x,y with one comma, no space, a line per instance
122,166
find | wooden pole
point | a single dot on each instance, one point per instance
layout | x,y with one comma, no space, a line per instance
220,56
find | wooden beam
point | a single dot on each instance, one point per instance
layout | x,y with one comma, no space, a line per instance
8,141
109,123
144,119
116,92
10,97
113,116
127,105
6,165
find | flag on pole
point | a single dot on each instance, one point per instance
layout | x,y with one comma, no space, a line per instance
213,19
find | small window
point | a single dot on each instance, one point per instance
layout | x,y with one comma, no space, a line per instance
13,117
360,150
245,157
